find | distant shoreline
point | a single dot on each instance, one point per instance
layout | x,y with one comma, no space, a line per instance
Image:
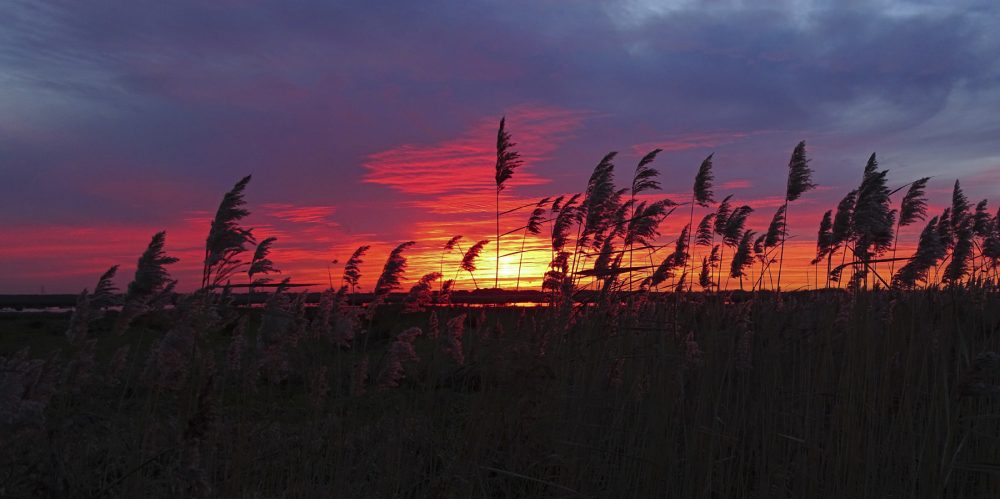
21,302
483,296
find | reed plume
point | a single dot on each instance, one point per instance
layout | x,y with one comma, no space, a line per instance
557,203
824,245
444,296
664,271
105,292
842,228
227,239
958,267
959,207
556,278
150,282
799,181
565,218
533,227
604,266
914,205
420,294
722,215
151,275
508,160
446,250
721,218
799,173
911,209
261,264
759,248
981,219
734,226
776,229
392,271
644,227
945,230
600,201
743,256
701,193
824,238
450,245
705,235
469,260
676,260
679,287
982,227
991,244
681,248
705,276
842,232
873,219
644,178
930,249
352,269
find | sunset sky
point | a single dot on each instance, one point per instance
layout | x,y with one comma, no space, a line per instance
375,122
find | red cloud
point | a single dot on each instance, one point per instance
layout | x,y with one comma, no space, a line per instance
300,214
466,163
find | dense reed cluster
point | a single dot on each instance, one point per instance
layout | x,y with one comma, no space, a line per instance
608,238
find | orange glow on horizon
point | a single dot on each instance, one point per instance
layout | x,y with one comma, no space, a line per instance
430,203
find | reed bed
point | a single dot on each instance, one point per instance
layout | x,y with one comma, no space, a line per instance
819,394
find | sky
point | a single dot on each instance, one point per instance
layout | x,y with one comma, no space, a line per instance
375,122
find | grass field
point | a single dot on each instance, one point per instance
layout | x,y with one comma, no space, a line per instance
821,394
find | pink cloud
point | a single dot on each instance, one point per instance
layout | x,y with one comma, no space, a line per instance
300,214
466,163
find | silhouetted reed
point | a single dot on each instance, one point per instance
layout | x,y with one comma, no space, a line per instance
508,160
469,260
799,181
227,239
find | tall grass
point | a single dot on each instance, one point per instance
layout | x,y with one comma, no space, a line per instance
816,395
799,181
508,160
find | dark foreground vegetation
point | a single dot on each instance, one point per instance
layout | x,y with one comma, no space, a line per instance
820,394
